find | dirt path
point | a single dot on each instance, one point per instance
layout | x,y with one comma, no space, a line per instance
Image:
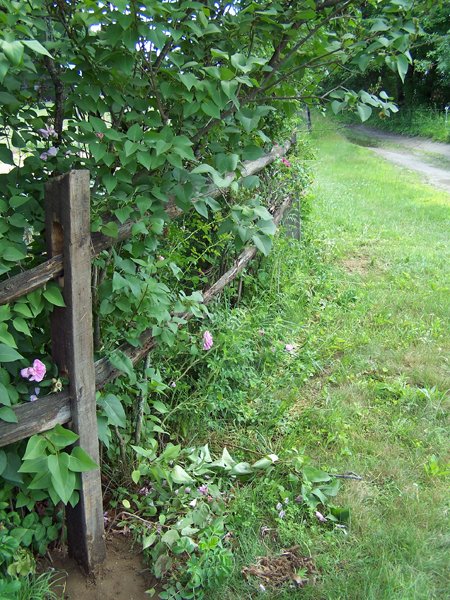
430,159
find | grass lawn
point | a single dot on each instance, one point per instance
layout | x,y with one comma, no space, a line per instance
365,302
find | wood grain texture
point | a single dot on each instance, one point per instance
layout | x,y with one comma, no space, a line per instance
68,224
28,281
36,417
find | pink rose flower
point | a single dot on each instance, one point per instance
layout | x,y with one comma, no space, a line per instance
34,373
207,341
286,162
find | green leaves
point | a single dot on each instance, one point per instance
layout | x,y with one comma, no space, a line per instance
80,461
135,133
189,80
36,47
170,537
36,447
52,294
402,66
7,414
6,155
110,182
55,470
113,410
364,111
315,475
120,361
263,243
61,437
62,479
211,109
8,354
180,476
13,51
14,254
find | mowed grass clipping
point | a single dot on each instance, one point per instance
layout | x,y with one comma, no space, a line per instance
365,299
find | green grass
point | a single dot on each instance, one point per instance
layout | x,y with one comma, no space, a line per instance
365,298
40,587
420,121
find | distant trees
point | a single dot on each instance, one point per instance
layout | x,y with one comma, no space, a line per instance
427,81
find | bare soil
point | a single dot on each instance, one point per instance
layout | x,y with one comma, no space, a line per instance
123,576
357,264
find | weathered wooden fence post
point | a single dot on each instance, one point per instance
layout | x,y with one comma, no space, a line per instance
68,233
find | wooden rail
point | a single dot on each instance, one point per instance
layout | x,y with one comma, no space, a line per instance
70,248
32,279
55,408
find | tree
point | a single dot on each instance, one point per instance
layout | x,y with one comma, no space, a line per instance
159,100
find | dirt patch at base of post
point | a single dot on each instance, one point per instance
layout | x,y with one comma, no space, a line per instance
123,576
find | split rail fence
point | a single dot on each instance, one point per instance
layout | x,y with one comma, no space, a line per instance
70,248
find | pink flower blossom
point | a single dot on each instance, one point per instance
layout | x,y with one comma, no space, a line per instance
289,347
33,398
286,162
100,135
207,341
203,489
35,372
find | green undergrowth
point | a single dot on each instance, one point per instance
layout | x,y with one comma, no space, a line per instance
328,358
419,121
334,359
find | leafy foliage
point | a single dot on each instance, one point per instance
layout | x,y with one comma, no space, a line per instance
181,514
162,102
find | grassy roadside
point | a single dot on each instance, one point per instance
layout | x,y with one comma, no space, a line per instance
421,121
364,302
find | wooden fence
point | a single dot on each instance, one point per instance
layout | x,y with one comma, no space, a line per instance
70,249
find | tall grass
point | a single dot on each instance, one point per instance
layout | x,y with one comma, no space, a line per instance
419,121
363,301
425,122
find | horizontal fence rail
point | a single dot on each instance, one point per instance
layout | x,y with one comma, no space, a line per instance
70,248
32,279
48,411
